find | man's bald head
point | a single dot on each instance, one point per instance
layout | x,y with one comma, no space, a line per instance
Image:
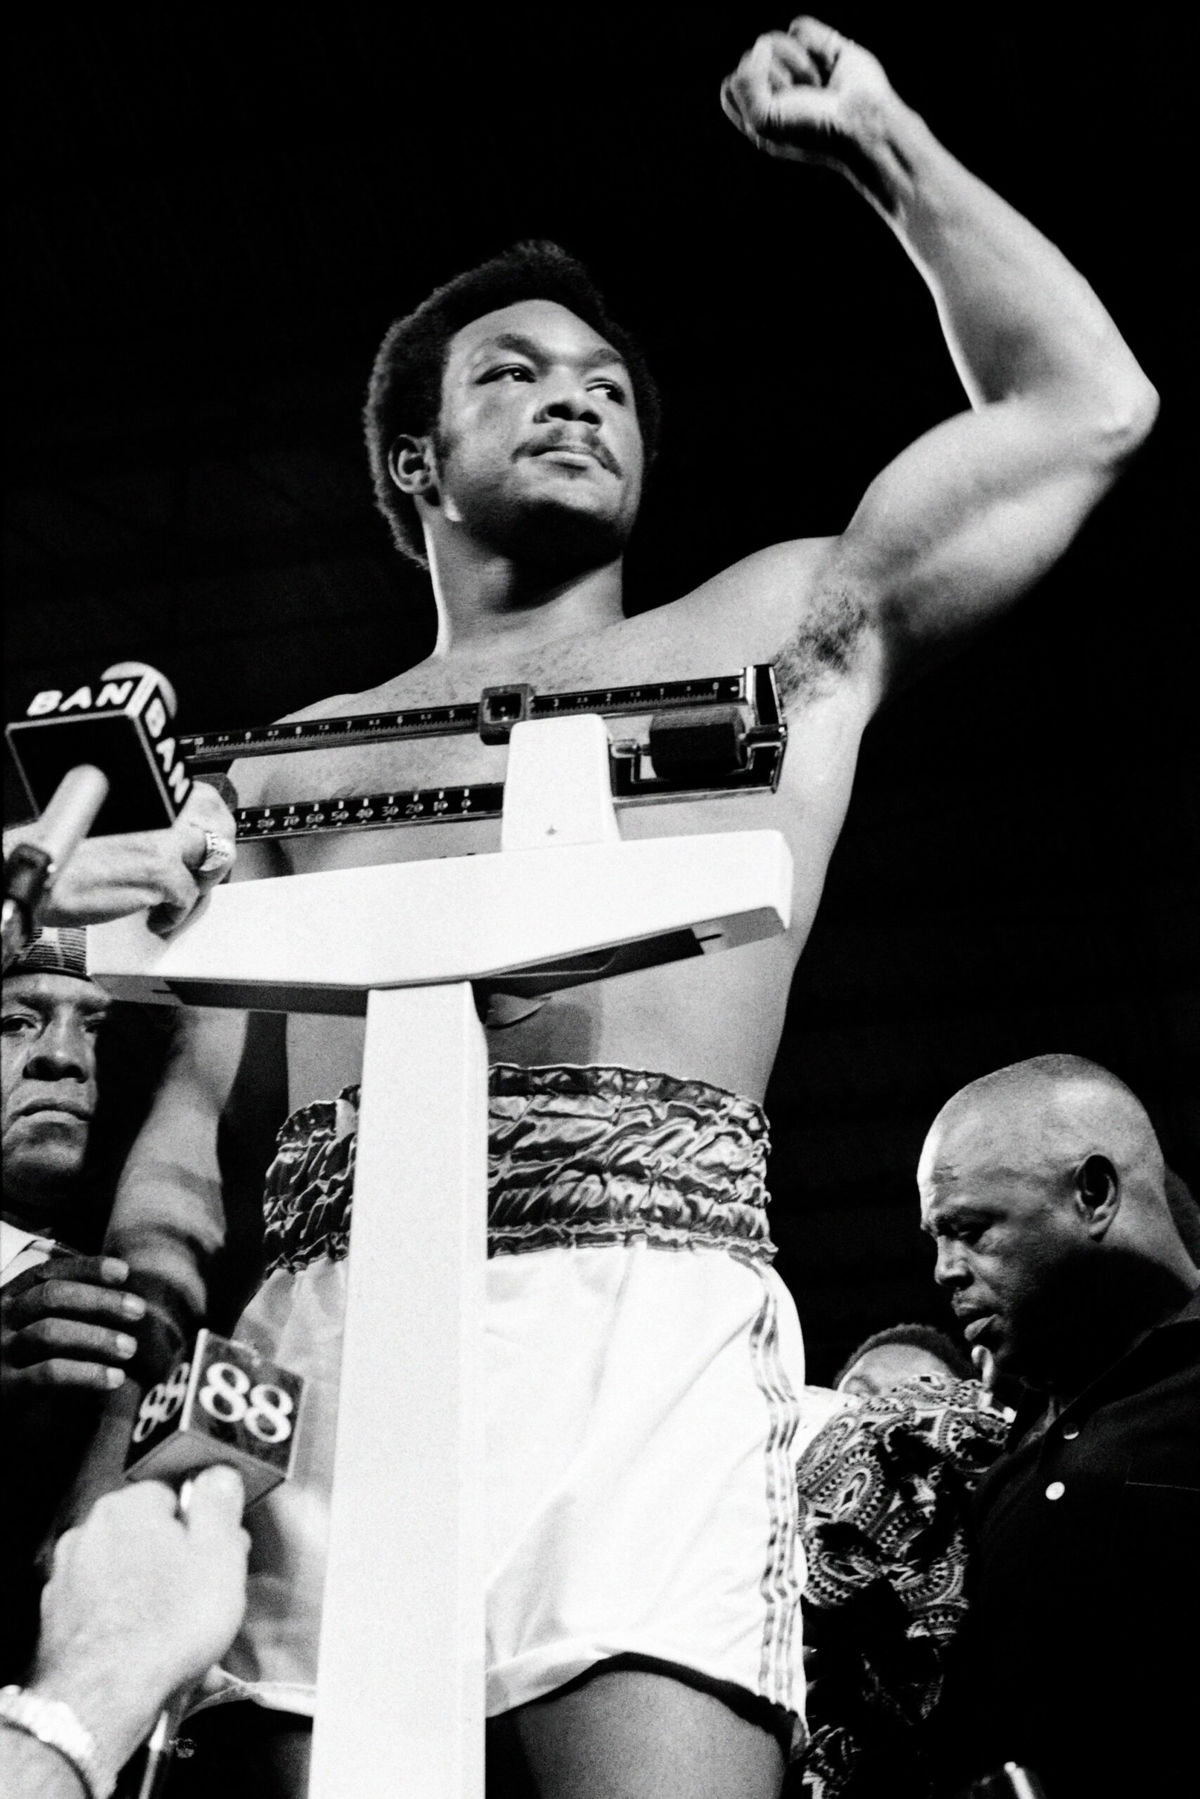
1053,1112
1043,1185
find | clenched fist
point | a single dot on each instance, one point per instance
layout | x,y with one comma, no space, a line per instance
812,95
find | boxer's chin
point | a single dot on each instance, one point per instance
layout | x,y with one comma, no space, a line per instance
565,538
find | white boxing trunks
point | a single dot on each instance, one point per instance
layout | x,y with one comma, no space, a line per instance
644,1366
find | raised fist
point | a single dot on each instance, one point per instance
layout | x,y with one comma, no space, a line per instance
811,95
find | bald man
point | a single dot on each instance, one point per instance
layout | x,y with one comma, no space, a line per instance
1044,1189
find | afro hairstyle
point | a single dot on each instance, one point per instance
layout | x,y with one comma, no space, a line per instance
405,392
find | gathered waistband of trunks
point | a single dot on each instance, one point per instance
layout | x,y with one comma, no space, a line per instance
576,1157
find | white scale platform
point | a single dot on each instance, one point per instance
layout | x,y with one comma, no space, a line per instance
401,1687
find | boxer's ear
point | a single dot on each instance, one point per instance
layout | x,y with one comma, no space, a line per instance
410,464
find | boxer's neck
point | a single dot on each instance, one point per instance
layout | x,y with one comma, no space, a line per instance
486,600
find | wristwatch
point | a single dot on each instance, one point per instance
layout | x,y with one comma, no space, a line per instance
53,1722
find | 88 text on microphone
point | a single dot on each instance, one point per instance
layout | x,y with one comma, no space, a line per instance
222,1403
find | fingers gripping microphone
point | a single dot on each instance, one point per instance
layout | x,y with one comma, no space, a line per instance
30,870
222,1403
121,725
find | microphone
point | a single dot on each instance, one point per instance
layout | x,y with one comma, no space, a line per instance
30,870
121,725
223,1403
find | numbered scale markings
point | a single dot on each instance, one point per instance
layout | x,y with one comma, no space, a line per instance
492,716
368,811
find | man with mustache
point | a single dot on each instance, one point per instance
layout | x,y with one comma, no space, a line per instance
68,1321
1044,1189
68,1339
643,1615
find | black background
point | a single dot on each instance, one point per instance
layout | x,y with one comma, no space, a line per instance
214,215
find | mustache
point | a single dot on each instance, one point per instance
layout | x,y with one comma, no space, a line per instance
591,444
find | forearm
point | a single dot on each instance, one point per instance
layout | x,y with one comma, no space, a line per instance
1020,321
168,1219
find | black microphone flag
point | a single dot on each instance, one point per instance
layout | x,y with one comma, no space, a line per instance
122,725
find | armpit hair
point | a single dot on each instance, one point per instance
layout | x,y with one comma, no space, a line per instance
823,646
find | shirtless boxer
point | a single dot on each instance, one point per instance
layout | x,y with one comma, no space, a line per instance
517,478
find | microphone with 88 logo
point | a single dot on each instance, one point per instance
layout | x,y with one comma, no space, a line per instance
223,1403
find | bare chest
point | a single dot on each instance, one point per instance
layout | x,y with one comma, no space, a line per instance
811,801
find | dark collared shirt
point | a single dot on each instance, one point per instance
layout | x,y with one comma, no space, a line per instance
1080,1658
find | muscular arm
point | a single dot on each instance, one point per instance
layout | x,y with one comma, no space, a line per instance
173,1220
169,1218
973,513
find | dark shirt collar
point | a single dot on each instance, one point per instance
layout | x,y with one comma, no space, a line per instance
1037,1409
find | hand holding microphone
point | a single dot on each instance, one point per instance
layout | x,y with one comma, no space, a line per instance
168,871
223,1404
104,758
32,864
140,1603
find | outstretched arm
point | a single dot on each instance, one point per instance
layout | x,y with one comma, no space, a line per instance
974,512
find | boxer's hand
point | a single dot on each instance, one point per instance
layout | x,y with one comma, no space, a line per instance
167,871
69,1323
812,95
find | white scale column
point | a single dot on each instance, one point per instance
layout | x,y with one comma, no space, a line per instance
402,1633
